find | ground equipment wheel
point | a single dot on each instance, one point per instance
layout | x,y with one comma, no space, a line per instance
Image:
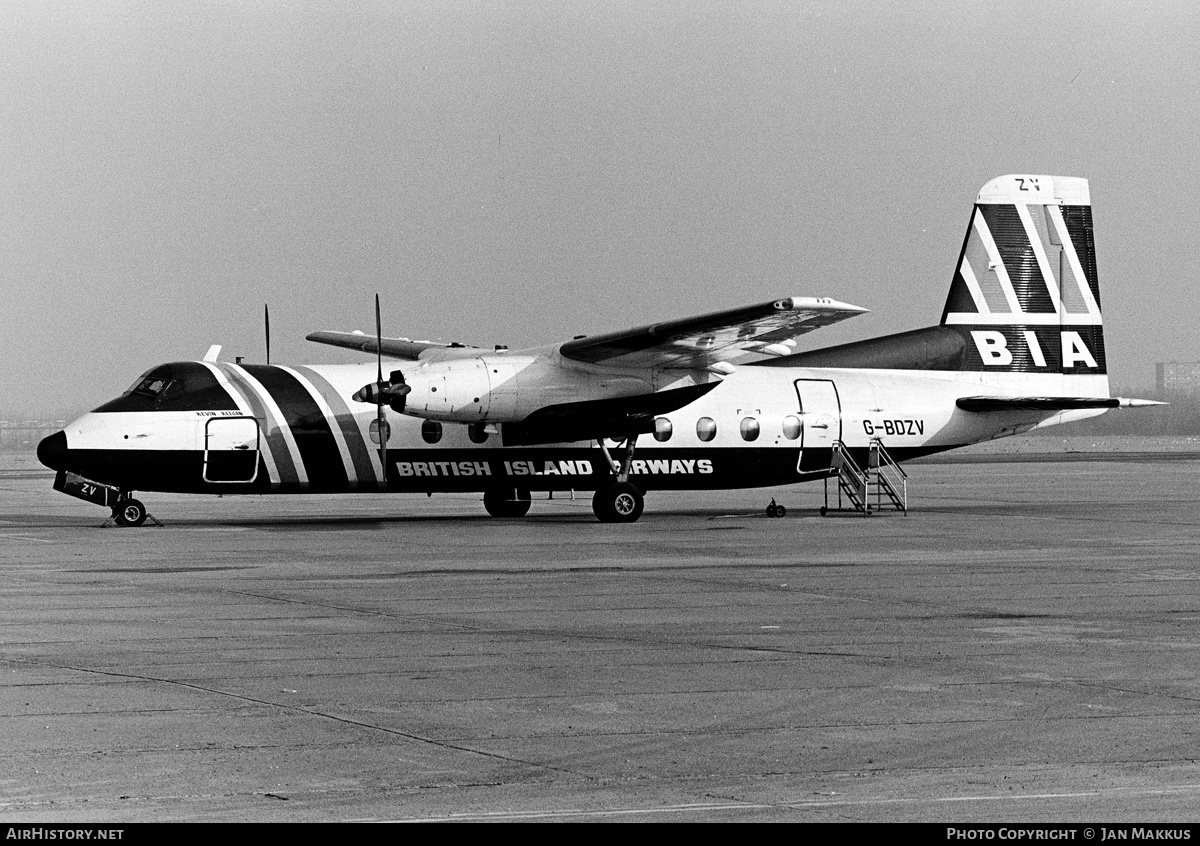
618,503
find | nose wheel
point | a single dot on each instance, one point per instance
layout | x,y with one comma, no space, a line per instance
129,512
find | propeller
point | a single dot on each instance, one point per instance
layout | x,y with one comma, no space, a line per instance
391,393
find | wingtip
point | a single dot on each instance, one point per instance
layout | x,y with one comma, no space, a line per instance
820,304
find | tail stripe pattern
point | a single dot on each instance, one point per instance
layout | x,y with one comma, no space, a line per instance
1025,296
1023,265
1074,243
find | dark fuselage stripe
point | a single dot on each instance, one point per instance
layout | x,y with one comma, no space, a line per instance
364,467
318,448
270,428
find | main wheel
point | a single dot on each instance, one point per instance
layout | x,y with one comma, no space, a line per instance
129,512
506,502
618,503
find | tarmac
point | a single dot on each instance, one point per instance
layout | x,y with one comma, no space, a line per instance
1024,645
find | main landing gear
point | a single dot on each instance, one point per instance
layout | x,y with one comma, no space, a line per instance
506,502
620,502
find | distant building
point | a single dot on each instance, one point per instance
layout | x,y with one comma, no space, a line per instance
1177,377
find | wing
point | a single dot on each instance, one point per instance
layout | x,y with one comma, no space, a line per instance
699,342
393,347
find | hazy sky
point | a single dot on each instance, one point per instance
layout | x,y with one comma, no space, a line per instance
521,172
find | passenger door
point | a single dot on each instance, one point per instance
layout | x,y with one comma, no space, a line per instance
821,424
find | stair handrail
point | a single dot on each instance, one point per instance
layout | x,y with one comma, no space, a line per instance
842,458
891,474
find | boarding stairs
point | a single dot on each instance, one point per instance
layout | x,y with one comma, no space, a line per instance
883,486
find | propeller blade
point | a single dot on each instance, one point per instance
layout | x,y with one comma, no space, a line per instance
398,397
378,342
267,330
381,417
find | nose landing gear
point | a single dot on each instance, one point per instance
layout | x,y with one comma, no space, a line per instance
126,511
129,512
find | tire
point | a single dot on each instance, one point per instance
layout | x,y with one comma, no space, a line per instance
780,511
506,502
129,512
618,503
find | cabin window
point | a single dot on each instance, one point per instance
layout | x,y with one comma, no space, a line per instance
431,431
477,433
749,429
375,429
706,429
791,427
662,429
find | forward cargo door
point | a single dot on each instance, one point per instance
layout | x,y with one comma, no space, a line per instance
231,449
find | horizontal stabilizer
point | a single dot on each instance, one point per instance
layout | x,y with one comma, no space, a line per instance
1035,403
1049,403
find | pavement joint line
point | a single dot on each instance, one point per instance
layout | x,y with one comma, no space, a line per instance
311,713
798,805
25,538
363,611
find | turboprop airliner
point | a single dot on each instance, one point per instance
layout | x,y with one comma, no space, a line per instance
723,400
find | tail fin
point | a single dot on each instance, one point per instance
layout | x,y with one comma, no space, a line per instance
1025,294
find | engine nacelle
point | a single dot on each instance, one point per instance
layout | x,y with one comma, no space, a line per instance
505,389
455,391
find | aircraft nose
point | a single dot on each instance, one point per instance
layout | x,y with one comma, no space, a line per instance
52,451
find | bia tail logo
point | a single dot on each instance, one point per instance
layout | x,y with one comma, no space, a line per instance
1037,349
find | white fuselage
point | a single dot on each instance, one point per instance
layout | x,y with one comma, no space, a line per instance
760,426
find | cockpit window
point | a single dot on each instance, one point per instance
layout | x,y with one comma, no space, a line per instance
151,386
181,386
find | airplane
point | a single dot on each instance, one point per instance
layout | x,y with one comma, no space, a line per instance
718,401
